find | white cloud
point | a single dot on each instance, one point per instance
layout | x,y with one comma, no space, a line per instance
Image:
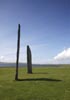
61,58
65,54
2,58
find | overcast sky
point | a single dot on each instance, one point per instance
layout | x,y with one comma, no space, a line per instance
45,26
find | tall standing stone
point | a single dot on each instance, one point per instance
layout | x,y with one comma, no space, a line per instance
17,56
29,60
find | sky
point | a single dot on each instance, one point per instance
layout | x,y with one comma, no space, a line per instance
45,27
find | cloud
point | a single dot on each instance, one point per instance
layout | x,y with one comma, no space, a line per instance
65,54
62,57
2,58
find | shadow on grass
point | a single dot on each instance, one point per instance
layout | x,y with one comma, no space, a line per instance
40,73
40,79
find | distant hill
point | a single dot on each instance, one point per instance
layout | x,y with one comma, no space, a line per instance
11,64
3,64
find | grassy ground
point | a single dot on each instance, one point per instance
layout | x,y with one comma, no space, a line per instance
43,84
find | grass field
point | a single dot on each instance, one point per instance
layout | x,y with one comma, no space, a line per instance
43,84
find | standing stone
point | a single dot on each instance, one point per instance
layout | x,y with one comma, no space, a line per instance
29,60
17,56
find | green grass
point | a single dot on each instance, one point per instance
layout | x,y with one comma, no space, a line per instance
43,84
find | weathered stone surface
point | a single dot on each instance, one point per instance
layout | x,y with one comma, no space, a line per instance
17,56
29,60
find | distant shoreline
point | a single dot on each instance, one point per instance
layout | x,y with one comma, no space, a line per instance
34,65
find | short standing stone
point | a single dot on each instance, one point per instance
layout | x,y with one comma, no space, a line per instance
29,60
